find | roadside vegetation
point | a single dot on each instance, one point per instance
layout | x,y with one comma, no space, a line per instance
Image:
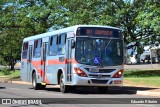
149,78
10,74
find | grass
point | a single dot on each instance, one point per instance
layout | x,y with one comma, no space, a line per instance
142,73
143,81
150,78
11,75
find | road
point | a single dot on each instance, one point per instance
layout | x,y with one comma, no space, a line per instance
10,90
142,66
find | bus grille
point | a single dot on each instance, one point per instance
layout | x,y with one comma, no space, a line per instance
97,76
102,70
106,70
99,81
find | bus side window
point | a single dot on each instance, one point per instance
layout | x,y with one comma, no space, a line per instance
53,47
61,46
25,50
37,48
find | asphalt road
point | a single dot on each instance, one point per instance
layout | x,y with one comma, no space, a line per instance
143,66
10,90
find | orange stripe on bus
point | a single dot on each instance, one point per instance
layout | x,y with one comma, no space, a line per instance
66,61
38,63
53,61
40,71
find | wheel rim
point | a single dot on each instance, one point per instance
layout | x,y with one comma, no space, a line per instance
34,82
61,84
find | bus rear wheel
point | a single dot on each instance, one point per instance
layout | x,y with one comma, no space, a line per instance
35,85
63,88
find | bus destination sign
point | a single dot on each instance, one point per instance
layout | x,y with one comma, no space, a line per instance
98,32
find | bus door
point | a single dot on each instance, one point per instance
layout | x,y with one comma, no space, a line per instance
69,60
44,52
29,61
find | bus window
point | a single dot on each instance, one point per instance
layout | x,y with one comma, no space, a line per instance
24,51
61,47
37,48
63,39
53,47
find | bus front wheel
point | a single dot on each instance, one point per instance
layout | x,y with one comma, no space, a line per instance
63,88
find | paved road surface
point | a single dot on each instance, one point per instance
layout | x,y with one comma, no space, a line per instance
10,90
143,66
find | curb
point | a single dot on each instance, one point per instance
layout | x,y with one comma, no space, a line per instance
145,93
16,82
148,93
21,82
5,81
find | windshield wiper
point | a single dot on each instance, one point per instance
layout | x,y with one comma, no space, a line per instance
101,63
108,45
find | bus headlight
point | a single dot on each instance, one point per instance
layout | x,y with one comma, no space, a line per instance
118,74
80,72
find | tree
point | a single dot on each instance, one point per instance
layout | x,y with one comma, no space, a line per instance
21,19
138,20
149,22
13,29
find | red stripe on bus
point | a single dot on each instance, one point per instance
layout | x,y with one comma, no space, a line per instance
38,64
66,61
54,61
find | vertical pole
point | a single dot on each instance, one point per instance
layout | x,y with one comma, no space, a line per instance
151,58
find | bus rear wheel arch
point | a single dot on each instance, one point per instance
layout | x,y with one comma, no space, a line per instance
36,86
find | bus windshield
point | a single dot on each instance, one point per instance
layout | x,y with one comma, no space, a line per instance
99,51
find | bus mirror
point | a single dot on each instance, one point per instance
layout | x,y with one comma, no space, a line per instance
72,43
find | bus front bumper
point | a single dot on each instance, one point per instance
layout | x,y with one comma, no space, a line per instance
86,81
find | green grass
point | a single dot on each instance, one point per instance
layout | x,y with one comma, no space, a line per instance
11,75
149,78
143,81
142,73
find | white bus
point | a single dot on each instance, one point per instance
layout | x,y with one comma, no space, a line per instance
81,55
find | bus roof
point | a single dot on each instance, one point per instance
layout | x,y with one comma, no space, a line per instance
64,30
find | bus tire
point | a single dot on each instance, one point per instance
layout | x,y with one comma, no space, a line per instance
35,85
63,88
102,89
143,61
42,87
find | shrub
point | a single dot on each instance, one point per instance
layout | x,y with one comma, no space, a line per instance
5,71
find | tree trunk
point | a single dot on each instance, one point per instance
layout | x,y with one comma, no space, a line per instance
12,63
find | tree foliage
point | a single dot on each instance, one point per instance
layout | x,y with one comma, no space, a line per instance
138,20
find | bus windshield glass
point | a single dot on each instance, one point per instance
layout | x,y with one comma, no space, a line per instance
99,51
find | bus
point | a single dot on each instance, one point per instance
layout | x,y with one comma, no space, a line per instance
81,55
